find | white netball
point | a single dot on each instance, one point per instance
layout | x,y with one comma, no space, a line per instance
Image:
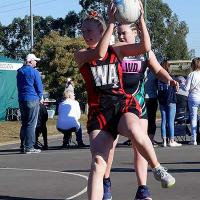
128,11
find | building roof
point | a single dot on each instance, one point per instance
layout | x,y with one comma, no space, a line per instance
9,63
8,60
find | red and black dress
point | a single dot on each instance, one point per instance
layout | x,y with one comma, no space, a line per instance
106,97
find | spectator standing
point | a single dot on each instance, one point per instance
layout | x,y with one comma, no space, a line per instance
68,119
193,86
30,90
151,99
167,102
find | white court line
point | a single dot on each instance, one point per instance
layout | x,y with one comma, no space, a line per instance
53,171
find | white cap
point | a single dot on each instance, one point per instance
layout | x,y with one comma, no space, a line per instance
32,56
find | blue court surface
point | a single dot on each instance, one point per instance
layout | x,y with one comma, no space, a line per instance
61,174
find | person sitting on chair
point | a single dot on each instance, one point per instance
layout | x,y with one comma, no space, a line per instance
41,127
68,119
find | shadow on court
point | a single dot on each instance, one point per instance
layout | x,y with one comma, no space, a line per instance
21,198
61,174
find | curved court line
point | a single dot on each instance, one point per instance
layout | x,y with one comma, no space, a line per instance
53,171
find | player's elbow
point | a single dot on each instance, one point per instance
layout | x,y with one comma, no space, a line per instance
100,55
147,47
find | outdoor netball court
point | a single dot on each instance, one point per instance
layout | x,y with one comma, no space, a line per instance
62,174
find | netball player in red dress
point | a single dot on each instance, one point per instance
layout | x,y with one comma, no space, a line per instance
111,110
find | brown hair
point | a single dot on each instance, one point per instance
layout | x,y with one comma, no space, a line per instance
195,65
166,65
93,16
132,26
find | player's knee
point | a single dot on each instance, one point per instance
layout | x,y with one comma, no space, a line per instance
137,136
99,165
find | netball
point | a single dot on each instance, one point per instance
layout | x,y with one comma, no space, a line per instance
128,11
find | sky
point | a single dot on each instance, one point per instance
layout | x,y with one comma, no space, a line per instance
187,11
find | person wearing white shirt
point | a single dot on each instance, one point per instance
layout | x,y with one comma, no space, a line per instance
68,119
192,85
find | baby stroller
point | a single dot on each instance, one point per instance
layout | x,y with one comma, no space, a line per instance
182,119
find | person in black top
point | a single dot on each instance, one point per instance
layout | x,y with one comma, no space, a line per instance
167,101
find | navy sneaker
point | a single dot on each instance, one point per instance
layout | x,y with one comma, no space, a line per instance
143,193
107,189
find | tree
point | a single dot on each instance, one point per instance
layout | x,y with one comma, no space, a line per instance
98,5
176,46
71,22
168,35
1,35
58,63
90,4
192,53
16,40
42,27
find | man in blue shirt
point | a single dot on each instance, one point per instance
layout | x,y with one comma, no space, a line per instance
30,91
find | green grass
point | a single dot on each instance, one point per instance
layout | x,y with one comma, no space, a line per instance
10,129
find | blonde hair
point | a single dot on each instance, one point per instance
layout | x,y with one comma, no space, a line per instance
67,94
93,16
195,65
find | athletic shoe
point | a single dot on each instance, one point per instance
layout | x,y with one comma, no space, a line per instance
81,145
155,143
192,143
143,193
164,144
174,144
30,151
107,189
22,150
160,174
65,146
45,147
